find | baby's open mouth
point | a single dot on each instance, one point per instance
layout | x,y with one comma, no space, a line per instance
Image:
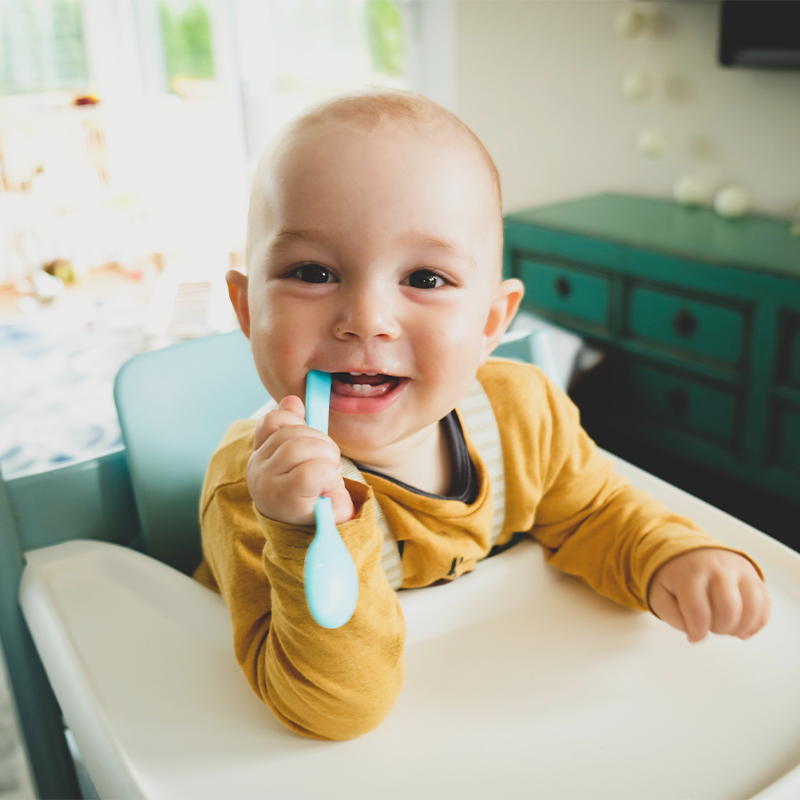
363,384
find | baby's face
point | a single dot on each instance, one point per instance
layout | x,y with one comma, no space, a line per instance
374,256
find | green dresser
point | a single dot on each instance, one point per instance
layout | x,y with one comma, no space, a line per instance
699,316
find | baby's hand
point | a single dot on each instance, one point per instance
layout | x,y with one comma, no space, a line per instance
710,590
292,466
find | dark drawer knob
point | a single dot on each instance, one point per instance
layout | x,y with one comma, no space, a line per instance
678,401
563,288
684,322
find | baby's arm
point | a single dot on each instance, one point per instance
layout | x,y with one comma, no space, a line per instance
710,590
325,684
628,547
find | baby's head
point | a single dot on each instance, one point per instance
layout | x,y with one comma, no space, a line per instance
374,252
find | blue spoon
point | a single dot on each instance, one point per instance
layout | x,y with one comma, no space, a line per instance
329,572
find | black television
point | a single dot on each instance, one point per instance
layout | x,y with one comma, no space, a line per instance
760,33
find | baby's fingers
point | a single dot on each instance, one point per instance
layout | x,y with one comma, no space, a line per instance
756,606
665,606
726,604
715,590
291,411
695,609
290,454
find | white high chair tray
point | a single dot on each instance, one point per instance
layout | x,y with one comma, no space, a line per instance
521,683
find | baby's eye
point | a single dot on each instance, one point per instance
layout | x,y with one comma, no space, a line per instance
425,279
314,273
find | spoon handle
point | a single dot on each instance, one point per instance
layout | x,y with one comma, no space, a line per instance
331,580
318,400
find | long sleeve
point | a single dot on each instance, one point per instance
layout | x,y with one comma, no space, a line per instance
591,521
324,684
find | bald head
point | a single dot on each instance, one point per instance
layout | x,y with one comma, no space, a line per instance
372,115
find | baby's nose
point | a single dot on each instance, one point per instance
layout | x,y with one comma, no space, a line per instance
366,314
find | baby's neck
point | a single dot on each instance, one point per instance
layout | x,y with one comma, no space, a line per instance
425,464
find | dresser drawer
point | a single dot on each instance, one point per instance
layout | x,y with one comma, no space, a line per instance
787,439
692,327
794,359
676,401
563,291
788,371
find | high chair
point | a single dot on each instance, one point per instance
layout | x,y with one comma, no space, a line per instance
520,681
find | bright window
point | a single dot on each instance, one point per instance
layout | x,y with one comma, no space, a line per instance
296,52
385,36
41,46
186,31
327,43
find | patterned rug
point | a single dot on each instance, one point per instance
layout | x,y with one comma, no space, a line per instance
57,366
57,371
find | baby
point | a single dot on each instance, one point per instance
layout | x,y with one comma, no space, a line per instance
374,253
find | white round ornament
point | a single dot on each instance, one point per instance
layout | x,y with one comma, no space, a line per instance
652,143
690,190
629,23
732,202
637,86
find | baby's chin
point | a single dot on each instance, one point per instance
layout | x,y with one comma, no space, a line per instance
374,445
363,449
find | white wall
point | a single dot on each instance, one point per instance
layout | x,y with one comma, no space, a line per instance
539,82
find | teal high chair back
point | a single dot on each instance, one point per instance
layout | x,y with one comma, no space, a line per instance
174,406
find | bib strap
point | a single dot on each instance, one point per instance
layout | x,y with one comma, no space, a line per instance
390,555
479,420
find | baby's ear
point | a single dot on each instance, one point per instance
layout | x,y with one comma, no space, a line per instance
507,298
237,291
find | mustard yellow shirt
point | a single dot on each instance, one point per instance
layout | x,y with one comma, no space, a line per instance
340,683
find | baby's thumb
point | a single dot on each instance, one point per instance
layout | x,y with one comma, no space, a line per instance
665,606
343,508
294,404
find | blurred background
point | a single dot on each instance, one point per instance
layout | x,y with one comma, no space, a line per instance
130,129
